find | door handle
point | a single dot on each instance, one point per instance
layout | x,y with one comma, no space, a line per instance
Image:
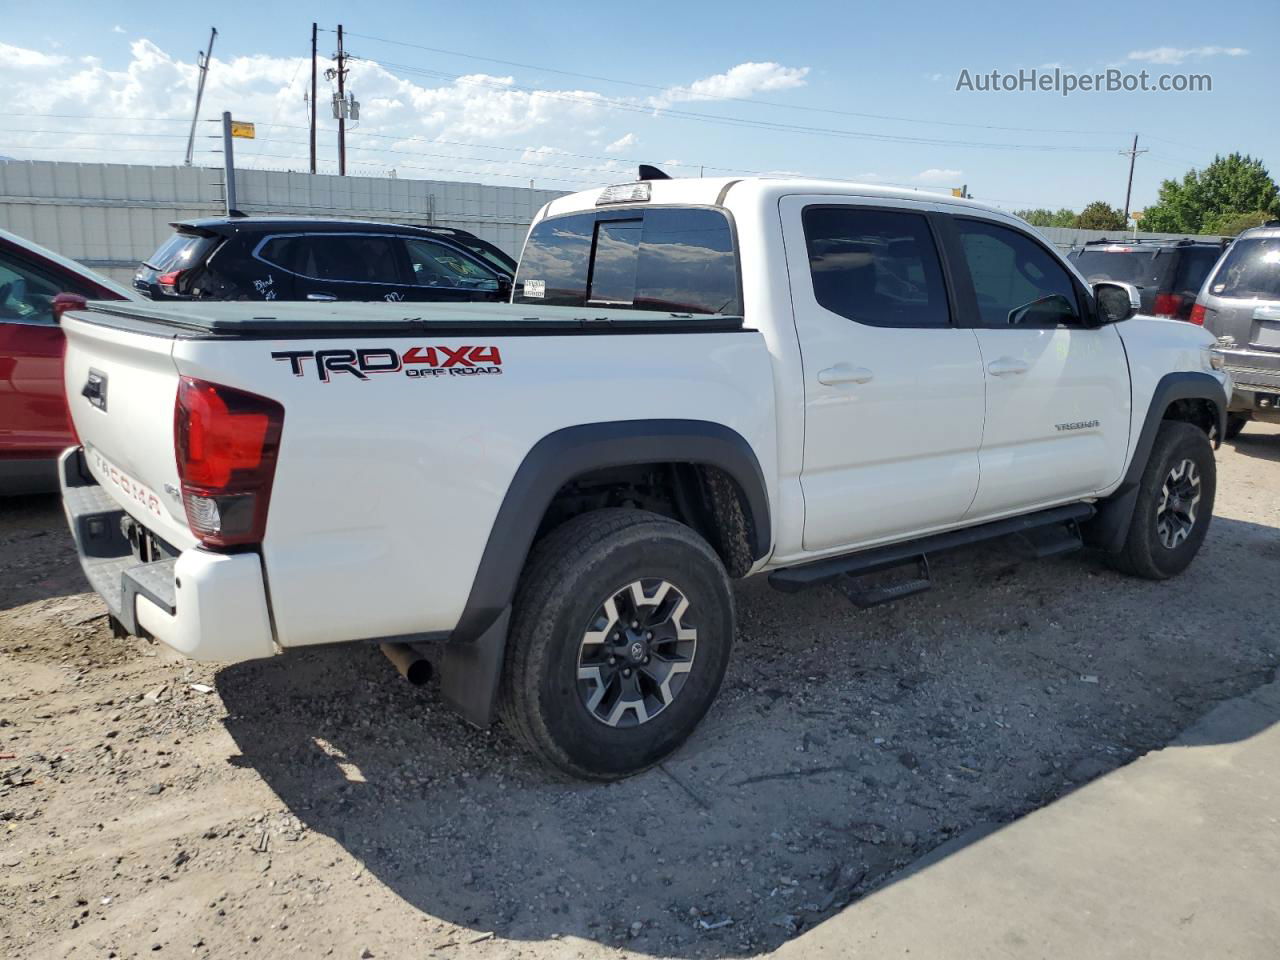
843,373
1007,366
326,297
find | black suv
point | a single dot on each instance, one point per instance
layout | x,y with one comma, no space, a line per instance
285,258
1167,273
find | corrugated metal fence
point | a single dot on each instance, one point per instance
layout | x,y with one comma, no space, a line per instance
110,216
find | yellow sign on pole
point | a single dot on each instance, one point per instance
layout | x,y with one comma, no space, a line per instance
241,128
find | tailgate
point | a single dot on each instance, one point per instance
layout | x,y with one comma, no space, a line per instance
121,386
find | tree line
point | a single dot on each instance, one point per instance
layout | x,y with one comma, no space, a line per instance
1231,194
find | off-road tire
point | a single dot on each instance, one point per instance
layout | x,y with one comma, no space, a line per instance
1144,554
565,582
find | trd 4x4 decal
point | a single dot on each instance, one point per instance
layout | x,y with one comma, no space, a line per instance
416,362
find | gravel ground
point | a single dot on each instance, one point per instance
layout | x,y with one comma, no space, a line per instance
316,805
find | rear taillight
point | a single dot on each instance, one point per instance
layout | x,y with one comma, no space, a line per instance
226,442
1167,304
169,281
1197,314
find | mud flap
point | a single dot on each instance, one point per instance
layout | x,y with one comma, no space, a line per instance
470,672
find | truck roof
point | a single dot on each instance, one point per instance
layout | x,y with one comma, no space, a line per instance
713,191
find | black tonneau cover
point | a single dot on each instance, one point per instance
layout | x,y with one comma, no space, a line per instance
268,320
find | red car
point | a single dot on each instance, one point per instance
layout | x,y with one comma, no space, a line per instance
34,426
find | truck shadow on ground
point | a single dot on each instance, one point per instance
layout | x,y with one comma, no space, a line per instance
1262,446
40,559
846,745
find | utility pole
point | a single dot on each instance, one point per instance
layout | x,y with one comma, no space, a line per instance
202,61
313,98
228,162
342,119
1128,191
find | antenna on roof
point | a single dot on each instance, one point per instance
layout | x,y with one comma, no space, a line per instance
650,172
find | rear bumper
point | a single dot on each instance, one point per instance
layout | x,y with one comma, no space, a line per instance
205,605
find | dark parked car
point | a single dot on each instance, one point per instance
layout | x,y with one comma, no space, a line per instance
1167,273
1240,305
285,258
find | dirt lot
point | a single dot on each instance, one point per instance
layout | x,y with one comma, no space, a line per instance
316,805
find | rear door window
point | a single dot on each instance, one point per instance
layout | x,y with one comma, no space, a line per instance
878,267
340,257
677,259
1250,270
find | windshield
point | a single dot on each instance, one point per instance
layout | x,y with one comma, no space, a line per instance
1250,271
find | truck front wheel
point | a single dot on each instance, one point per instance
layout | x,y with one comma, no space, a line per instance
620,637
1174,504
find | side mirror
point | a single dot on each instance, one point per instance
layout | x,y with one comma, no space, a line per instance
67,301
1116,301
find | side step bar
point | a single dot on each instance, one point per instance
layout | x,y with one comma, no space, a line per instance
1035,527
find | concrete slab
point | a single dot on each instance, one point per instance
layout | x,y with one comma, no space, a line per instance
1176,855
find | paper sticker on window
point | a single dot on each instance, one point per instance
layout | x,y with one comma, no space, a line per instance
535,289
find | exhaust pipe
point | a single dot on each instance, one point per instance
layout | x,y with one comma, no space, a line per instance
412,665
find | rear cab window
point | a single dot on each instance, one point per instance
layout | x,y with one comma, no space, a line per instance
675,259
1250,270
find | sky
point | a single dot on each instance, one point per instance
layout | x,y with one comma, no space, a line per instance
573,95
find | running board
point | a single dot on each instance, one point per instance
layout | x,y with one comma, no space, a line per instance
873,596
874,559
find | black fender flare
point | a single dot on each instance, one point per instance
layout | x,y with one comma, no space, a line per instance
1107,530
478,640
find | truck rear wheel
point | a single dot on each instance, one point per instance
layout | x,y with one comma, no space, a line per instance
620,638
1174,505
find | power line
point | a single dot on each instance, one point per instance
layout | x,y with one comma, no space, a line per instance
628,106
748,100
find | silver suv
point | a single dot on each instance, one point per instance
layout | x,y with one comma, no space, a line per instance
1240,305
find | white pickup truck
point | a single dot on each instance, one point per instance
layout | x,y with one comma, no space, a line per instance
697,380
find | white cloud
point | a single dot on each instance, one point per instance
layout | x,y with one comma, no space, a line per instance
476,127
1175,55
624,142
737,82
408,118
938,175
24,59
117,29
